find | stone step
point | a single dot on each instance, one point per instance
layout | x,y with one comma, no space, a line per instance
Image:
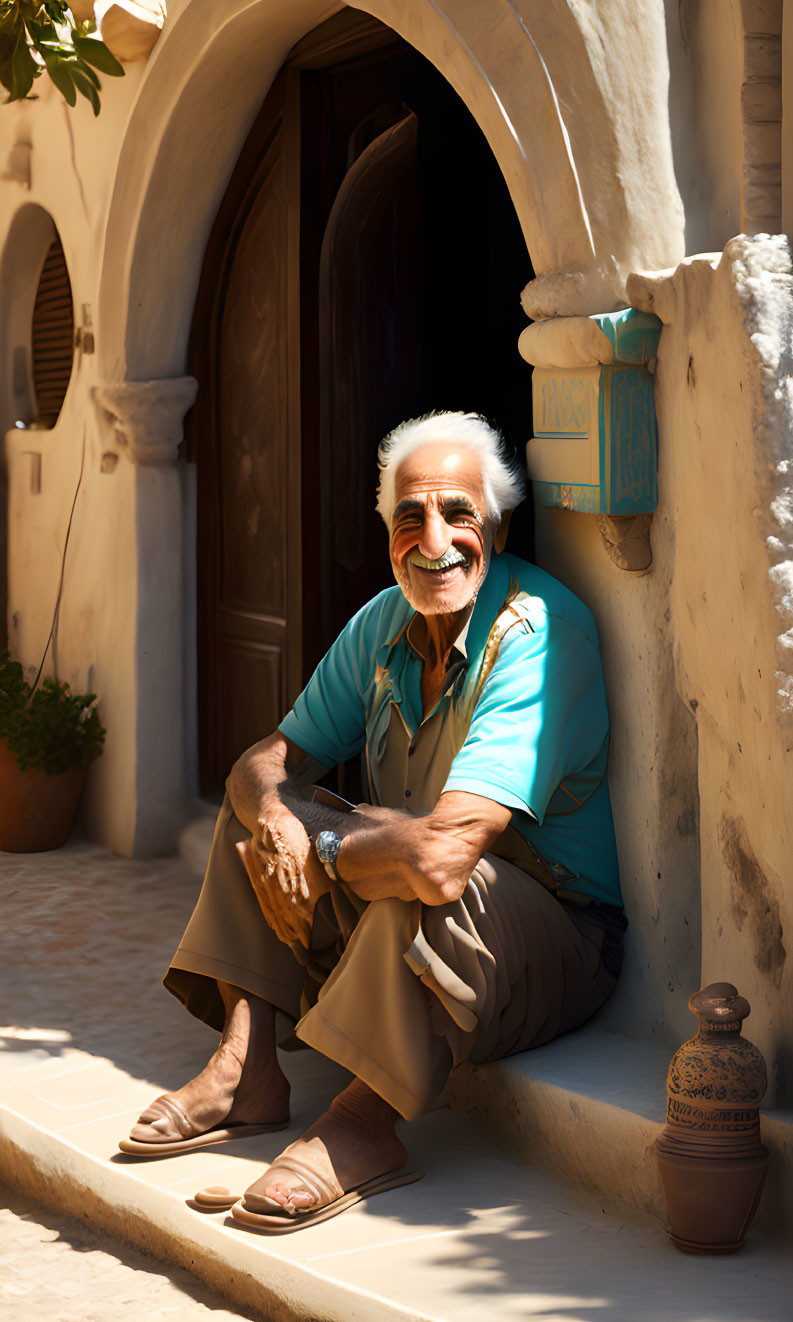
482,1234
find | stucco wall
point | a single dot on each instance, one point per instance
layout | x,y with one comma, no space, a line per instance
705,42
652,764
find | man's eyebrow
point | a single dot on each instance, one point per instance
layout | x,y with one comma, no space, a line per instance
406,506
459,502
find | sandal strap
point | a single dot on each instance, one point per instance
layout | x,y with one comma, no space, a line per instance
170,1109
321,1190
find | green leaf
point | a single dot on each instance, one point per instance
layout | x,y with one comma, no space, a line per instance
83,76
55,47
9,19
58,71
57,12
95,52
23,69
87,71
52,728
41,31
8,44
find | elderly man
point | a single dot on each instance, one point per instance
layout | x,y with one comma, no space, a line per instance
471,910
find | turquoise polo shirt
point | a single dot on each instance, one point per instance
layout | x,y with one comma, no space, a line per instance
523,720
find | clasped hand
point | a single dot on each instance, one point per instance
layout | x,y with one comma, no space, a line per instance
286,876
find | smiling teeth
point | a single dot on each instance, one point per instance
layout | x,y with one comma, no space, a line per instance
448,560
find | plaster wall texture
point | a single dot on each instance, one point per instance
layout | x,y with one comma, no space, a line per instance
652,767
705,41
787,121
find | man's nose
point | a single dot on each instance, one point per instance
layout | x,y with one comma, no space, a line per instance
436,535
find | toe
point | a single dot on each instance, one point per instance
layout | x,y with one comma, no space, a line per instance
290,1199
154,1131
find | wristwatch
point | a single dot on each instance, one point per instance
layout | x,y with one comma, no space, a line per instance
327,845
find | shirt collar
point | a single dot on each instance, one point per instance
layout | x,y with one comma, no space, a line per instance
416,637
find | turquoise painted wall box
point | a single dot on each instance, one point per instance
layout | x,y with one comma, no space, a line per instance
595,438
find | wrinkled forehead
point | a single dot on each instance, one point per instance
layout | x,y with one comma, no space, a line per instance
441,466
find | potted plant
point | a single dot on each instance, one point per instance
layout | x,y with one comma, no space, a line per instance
48,738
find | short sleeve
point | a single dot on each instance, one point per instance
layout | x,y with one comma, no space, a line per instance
541,717
328,718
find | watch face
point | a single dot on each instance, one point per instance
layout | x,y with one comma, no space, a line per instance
326,845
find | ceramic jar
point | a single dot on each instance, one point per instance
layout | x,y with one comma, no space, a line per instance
711,1161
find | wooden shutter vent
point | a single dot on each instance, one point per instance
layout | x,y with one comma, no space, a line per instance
53,335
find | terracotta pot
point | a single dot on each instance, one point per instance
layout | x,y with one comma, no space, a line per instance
37,811
710,1158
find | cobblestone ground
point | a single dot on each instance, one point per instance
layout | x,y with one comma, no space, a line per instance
54,1268
66,917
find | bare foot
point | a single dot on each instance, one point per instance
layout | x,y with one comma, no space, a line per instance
354,1141
242,1083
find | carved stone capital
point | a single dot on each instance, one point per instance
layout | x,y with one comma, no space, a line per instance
147,416
564,342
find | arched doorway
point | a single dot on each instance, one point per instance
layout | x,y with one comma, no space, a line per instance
362,269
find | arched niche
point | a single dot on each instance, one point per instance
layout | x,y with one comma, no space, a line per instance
594,189
31,236
38,323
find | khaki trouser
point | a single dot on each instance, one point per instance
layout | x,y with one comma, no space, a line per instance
401,992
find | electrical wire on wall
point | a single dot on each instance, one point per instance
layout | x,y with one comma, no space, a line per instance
56,611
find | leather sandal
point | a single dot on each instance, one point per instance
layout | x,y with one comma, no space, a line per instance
166,1107
257,1212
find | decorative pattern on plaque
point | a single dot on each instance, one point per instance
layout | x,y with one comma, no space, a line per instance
594,447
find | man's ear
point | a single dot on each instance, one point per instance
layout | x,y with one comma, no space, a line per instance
500,539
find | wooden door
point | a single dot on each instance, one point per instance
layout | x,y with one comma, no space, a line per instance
370,352
246,442
363,269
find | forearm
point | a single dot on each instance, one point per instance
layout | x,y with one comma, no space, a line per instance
426,858
262,787
254,781
399,857
385,853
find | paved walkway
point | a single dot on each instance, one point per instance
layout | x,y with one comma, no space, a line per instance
91,1037
54,1268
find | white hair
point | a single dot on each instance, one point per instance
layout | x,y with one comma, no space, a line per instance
503,481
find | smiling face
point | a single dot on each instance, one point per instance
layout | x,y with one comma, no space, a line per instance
441,535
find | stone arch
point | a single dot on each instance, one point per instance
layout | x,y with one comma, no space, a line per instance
595,193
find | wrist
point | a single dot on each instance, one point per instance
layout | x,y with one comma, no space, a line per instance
327,844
